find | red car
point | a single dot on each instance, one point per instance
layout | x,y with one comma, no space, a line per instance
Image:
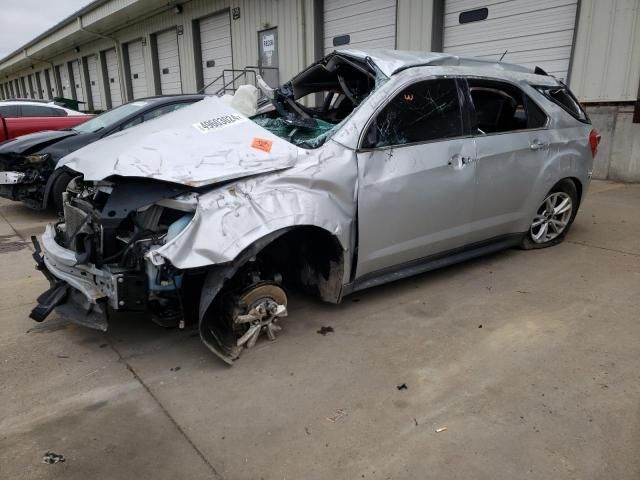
21,117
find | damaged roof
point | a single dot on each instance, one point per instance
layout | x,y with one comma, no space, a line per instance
393,61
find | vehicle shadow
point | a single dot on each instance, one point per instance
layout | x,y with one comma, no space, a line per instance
134,335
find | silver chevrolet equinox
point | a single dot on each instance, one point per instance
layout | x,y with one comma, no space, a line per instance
366,167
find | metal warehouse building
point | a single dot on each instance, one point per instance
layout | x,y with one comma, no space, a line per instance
113,51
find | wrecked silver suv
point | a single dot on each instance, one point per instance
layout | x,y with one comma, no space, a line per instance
407,162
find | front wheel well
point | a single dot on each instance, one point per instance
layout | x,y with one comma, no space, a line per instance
308,257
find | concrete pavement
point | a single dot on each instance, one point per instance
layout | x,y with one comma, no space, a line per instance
529,359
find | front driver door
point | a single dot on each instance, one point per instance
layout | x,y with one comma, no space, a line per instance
416,178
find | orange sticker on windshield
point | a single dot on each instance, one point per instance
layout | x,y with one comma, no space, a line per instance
262,144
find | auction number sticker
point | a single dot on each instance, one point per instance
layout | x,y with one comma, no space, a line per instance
217,123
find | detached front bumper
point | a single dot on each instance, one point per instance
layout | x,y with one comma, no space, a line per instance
82,293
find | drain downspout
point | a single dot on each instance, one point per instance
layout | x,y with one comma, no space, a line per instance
118,48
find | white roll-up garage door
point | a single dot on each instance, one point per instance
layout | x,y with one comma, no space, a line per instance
77,82
533,33
136,69
94,84
39,85
359,24
53,87
169,62
113,77
65,81
215,44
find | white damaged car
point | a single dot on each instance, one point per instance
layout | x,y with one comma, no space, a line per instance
407,162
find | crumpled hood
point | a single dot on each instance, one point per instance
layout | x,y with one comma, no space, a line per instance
32,142
201,144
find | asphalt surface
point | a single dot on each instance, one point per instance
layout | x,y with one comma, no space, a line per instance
530,360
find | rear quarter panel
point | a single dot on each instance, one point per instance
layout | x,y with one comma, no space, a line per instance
569,155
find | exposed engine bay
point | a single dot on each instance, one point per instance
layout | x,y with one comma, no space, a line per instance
110,229
101,255
21,177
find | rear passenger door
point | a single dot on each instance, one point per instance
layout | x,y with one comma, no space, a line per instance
415,177
512,146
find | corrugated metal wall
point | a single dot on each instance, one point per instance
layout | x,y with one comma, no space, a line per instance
290,16
605,67
606,63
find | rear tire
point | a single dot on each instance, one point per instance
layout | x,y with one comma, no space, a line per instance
59,187
554,217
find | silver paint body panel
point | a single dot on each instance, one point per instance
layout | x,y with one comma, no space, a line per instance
396,205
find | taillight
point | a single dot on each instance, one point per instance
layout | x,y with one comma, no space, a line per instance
594,141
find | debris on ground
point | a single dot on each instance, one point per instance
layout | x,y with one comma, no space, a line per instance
104,345
441,429
402,386
325,330
51,458
480,326
415,420
175,369
337,416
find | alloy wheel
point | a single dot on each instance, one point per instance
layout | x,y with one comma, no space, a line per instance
552,217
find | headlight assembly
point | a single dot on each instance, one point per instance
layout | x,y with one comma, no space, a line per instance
37,158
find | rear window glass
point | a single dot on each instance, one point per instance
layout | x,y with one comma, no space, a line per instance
563,97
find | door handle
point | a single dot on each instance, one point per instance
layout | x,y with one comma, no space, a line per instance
458,162
538,145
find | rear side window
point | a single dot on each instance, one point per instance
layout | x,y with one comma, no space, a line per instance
422,112
502,107
8,111
563,97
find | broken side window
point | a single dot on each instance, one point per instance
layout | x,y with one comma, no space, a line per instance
424,111
563,97
501,107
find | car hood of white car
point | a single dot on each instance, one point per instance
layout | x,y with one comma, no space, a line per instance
201,144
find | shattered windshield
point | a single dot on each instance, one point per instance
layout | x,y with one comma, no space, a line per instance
308,137
312,104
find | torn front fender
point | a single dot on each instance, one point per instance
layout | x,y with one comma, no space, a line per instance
319,191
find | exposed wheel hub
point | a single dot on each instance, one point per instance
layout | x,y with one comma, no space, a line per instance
260,307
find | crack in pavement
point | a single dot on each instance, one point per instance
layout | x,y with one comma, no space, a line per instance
604,248
191,443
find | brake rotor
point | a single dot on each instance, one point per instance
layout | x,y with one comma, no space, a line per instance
260,307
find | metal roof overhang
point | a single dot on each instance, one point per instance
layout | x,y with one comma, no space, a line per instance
101,17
